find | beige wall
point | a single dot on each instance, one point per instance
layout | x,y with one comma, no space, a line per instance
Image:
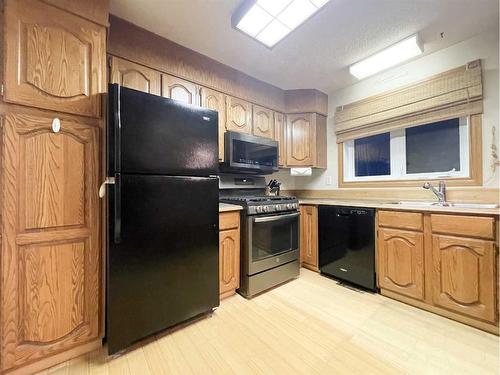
483,46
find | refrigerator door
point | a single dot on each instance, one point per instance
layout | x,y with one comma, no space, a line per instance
163,257
149,134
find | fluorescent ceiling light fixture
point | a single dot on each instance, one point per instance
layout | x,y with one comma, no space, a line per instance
254,21
387,58
296,13
269,21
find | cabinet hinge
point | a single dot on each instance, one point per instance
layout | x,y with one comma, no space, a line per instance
109,61
1,89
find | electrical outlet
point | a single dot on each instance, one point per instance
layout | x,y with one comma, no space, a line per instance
329,180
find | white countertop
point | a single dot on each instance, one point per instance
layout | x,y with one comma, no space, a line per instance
227,207
400,207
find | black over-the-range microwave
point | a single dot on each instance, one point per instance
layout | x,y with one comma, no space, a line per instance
245,153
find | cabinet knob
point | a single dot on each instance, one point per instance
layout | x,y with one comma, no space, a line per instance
56,125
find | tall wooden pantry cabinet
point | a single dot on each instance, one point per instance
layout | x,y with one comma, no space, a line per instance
51,255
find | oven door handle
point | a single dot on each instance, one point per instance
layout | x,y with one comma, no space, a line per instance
275,218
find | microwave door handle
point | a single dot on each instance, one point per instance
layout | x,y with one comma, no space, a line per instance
275,218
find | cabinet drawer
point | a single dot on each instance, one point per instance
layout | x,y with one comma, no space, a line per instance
399,219
229,220
471,226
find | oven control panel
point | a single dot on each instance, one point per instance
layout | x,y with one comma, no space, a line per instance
267,208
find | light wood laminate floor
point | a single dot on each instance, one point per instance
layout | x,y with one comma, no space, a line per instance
308,326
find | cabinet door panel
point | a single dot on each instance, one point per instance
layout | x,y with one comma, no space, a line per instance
280,136
309,235
215,100
263,122
401,262
54,60
179,89
58,199
300,137
51,266
52,274
229,258
238,115
135,76
464,276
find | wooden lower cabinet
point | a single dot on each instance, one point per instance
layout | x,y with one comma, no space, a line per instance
448,267
309,236
51,278
463,276
229,253
401,262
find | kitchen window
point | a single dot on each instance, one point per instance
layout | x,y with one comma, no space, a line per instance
437,150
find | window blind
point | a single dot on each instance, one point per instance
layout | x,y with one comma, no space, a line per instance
454,93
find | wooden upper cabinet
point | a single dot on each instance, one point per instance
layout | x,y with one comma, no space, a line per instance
300,137
53,59
238,115
215,100
51,264
401,262
306,140
179,89
309,235
464,277
263,122
135,76
320,145
280,136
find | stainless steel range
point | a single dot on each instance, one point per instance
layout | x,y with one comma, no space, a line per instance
270,233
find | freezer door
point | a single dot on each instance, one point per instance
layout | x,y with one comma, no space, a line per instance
149,134
163,255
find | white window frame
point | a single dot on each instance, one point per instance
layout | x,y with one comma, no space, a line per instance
398,158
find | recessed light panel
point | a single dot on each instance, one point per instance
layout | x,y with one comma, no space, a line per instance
273,33
254,21
274,7
297,12
269,21
387,58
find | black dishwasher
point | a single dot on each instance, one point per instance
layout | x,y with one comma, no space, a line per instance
347,244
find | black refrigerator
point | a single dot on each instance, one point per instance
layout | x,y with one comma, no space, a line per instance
163,254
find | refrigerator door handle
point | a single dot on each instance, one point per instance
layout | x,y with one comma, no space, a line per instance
118,210
102,188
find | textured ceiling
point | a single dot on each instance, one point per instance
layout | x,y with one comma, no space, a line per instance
318,53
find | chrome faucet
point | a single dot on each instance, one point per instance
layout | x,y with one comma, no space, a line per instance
440,193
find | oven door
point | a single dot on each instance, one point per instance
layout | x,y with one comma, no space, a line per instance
246,153
272,240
